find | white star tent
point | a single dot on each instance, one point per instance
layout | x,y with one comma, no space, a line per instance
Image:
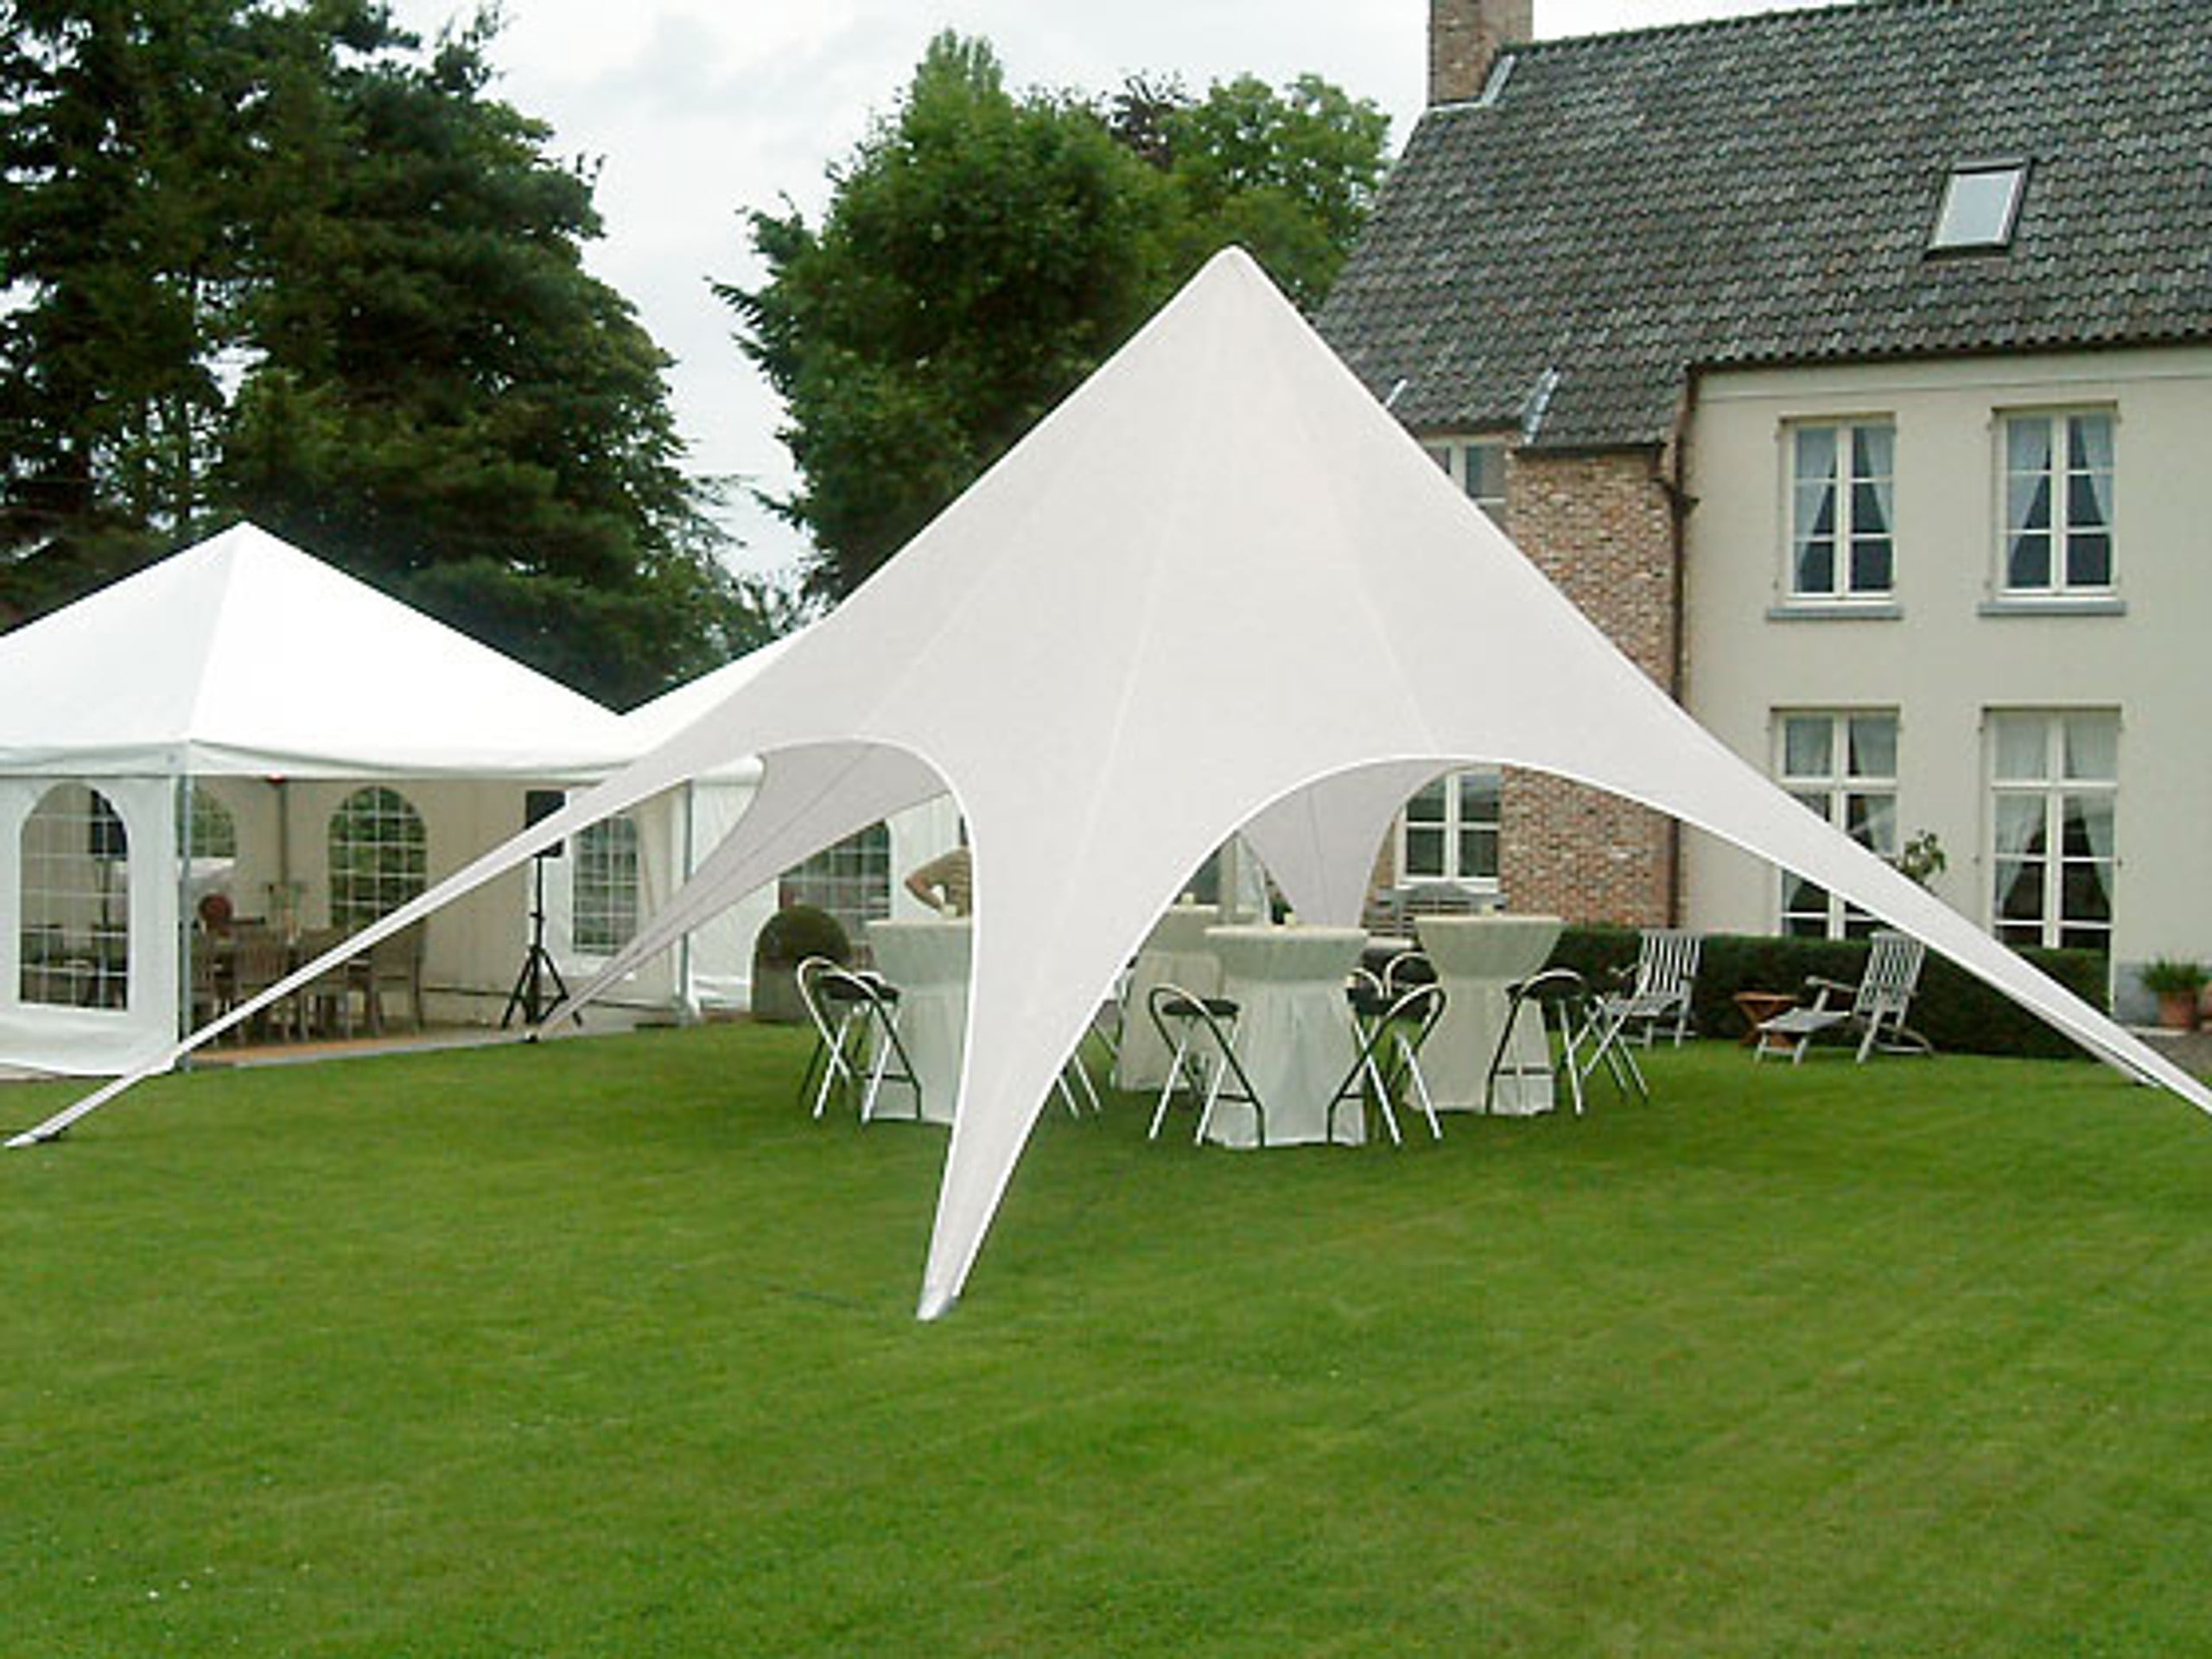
1217,588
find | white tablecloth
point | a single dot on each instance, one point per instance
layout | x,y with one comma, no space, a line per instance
1475,958
1293,1030
1174,954
928,962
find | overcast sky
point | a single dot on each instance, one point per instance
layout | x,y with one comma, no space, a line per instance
699,109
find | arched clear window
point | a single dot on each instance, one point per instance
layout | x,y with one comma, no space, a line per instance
75,945
379,856
606,891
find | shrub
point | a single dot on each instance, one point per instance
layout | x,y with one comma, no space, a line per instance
797,932
1952,1008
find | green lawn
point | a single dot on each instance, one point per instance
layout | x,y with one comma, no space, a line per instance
603,1347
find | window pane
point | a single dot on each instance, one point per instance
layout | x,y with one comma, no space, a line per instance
75,901
2019,889
2027,501
1424,852
378,856
1478,797
1428,806
1873,450
2030,564
2085,503
1872,565
1870,509
1808,746
2085,826
2027,444
2092,744
1440,454
2090,439
2023,749
1871,820
1479,855
1873,746
2089,561
2085,894
1977,207
1486,471
1815,566
2021,824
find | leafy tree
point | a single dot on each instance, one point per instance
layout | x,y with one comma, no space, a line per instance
1288,177
984,250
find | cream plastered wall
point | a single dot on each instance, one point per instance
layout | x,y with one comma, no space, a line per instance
1940,656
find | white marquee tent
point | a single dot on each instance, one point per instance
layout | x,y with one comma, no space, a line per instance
1217,588
276,685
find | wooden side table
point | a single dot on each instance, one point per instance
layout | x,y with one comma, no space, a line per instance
1758,1006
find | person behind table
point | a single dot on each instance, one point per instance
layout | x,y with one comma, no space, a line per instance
947,883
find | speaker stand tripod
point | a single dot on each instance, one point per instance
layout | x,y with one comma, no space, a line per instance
537,965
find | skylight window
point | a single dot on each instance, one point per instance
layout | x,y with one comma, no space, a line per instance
1981,204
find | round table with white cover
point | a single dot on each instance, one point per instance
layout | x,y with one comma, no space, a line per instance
928,961
1475,958
1293,1029
1174,953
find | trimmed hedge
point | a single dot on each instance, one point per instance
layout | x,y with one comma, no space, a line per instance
1954,1010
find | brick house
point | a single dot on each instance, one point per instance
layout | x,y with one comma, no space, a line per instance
1847,365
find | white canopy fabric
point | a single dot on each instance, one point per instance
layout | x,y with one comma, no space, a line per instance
243,655
1218,586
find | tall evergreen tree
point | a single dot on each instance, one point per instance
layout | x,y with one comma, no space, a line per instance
299,205
127,137
448,402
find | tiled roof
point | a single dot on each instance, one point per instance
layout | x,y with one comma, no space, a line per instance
1763,189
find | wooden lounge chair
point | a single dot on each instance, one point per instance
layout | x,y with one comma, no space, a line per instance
1876,1008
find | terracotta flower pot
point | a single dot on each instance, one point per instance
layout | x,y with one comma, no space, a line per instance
2178,1010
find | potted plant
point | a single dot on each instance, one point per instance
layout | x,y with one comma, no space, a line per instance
791,934
2175,981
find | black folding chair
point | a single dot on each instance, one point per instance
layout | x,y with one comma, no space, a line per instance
1199,1033
856,1019
1391,1030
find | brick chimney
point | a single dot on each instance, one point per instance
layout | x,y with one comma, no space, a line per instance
1464,38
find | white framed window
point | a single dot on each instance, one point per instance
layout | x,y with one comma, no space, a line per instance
1980,206
1842,510
379,856
851,881
1841,765
75,901
213,832
1449,830
2058,502
604,886
2054,797
1476,466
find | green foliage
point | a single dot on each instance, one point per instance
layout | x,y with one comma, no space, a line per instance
984,250
797,932
1952,1008
430,391
2172,977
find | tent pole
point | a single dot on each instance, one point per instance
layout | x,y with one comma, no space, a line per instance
183,837
687,1004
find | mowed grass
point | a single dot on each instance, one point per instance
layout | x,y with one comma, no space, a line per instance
604,1348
